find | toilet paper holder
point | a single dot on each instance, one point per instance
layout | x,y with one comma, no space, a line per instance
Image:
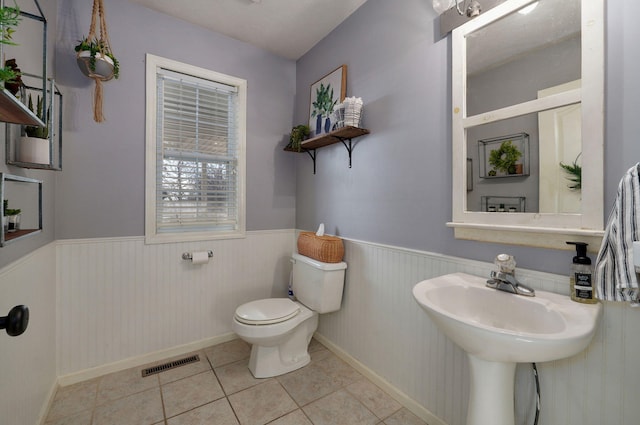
189,255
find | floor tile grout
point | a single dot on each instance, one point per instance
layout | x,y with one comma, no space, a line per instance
188,396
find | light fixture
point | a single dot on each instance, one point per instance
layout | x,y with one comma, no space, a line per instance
528,9
441,6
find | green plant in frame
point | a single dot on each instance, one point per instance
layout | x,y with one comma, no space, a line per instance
574,172
7,74
9,19
8,211
35,131
505,157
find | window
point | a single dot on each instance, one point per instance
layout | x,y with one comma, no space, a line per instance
195,165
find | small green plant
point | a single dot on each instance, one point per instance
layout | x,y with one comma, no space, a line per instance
94,47
504,158
32,130
574,172
8,211
298,134
11,76
9,19
8,75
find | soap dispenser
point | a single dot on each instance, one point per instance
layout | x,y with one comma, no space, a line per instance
581,276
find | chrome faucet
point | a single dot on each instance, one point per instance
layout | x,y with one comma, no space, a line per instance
505,279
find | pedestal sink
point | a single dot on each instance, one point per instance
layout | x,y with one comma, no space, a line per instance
499,329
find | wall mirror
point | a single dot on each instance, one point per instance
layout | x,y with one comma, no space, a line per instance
527,97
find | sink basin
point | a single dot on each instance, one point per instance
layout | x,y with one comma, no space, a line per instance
498,326
498,329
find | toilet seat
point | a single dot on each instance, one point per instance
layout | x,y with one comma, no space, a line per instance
267,311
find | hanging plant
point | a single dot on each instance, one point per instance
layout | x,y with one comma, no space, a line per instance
95,57
95,60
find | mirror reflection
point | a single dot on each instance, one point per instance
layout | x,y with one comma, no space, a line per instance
528,163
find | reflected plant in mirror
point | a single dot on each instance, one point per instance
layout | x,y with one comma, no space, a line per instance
574,174
504,158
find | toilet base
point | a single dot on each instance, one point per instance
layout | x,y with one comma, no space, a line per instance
289,355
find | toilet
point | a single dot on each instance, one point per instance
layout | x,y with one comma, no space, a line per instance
280,329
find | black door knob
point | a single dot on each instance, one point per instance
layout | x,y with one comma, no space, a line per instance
16,321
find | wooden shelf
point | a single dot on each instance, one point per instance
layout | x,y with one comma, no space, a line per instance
344,135
334,137
8,236
16,112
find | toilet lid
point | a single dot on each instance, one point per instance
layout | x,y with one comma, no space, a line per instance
267,311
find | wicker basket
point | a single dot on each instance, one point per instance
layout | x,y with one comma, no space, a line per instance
328,249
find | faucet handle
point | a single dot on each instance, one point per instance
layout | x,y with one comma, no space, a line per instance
506,263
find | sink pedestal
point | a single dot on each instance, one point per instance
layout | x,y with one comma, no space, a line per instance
497,330
491,395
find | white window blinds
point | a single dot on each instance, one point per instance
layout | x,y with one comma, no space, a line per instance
197,179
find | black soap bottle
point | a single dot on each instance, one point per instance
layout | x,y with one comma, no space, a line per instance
581,276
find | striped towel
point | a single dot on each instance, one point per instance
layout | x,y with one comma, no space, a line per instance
615,276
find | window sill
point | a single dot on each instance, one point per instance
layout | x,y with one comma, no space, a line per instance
191,237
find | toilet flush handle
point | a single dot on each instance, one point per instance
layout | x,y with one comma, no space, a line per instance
16,321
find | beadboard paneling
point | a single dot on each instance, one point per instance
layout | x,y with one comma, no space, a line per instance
27,362
381,326
119,298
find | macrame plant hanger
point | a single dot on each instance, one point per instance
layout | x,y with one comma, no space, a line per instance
104,45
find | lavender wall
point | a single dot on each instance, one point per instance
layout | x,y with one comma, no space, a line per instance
100,192
399,189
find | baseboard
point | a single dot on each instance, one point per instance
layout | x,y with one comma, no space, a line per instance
95,372
48,402
411,405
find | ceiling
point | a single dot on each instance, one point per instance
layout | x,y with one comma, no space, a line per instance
288,28
548,23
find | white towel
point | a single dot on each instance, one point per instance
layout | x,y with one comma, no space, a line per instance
615,276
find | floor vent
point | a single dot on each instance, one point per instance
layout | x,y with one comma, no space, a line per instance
171,365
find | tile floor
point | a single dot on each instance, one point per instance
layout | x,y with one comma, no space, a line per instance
220,390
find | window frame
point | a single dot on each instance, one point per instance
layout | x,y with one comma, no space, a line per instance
153,63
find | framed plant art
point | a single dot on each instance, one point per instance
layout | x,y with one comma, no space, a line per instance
326,93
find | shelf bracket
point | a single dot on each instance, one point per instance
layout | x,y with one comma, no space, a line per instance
349,147
313,157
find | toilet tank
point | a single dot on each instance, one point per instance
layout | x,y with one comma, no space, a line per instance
318,285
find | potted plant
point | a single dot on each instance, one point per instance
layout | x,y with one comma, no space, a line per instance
95,59
298,134
35,146
11,218
9,19
574,172
11,76
504,159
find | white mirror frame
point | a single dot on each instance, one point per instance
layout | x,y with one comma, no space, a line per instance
535,229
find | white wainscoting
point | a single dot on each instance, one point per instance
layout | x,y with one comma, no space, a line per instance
27,362
382,327
120,299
